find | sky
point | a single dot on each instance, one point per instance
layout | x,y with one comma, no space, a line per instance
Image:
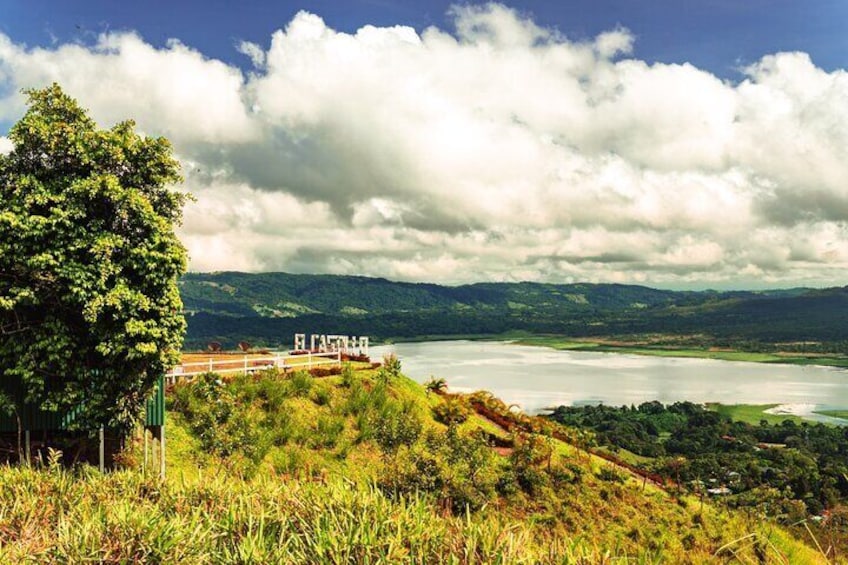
675,144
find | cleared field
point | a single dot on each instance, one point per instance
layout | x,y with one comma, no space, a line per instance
752,413
834,413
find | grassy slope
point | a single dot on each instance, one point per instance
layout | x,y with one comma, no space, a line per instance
752,413
834,413
309,500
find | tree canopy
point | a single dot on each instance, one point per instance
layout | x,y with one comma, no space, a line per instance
90,311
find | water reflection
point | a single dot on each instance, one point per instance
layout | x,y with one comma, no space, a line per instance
537,378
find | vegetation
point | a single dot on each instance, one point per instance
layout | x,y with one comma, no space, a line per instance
752,413
803,467
788,326
265,469
89,306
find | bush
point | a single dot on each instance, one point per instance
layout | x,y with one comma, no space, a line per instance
321,396
348,375
395,424
531,455
459,469
328,430
300,383
222,424
390,369
451,412
325,371
611,475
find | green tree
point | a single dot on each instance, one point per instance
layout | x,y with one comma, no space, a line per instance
90,312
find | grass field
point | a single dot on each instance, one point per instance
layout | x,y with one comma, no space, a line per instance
834,413
751,413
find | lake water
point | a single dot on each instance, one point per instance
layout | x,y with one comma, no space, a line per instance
536,378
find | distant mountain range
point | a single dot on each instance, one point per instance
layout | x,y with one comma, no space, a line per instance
267,308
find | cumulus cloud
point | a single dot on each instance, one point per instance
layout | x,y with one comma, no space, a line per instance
498,149
253,51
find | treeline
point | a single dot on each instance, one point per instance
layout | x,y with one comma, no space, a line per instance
266,309
785,469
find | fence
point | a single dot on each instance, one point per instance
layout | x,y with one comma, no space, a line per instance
247,364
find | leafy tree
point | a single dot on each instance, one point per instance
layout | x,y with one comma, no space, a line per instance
90,312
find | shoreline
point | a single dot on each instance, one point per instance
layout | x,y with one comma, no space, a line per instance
747,412
826,360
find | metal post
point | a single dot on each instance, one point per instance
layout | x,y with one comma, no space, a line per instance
162,451
144,460
309,360
26,446
210,364
102,450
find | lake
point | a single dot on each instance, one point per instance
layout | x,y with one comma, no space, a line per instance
536,378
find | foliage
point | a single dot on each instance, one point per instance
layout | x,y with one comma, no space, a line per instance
324,497
804,321
222,424
436,385
459,468
451,412
390,369
395,424
531,456
804,463
89,306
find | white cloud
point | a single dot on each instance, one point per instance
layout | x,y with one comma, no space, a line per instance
252,51
499,151
6,145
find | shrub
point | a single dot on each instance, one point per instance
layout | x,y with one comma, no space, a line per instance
325,371
395,424
531,455
300,383
328,430
390,368
451,412
392,365
459,469
216,417
348,375
435,385
321,395
611,475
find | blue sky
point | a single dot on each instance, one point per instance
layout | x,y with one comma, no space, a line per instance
718,35
667,143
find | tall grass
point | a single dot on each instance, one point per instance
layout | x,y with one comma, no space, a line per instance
82,516
355,470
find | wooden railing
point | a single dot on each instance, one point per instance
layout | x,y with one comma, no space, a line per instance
230,364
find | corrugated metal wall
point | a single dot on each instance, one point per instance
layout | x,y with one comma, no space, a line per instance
33,418
155,409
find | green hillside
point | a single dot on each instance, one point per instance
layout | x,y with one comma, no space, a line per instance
368,467
268,308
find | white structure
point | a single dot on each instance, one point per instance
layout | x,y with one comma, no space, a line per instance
332,343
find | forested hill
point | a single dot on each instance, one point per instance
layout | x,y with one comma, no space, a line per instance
267,308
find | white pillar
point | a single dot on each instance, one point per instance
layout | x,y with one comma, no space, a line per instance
102,450
162,451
